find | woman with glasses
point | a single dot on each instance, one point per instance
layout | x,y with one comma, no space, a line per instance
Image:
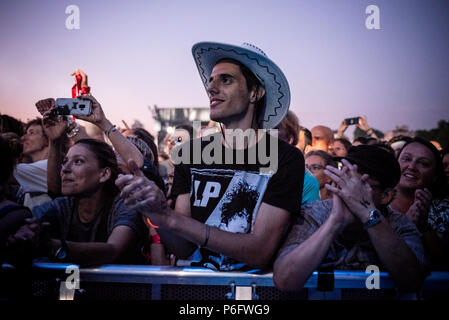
316,161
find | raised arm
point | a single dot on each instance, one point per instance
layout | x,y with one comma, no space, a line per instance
363,124
55,128
123,146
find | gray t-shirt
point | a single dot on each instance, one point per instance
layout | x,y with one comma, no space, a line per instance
352,249
65,223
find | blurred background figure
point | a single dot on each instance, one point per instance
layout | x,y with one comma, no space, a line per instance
364,140
340,147
289,128
304,139
362,129
32,174
322,138
316,162
289,131
11,124
12,215
398,142
182,133
211,128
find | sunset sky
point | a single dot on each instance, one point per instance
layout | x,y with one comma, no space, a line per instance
138,53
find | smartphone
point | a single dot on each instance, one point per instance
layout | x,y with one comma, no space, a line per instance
76,107
351,121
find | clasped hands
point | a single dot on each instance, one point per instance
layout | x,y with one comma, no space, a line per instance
351,191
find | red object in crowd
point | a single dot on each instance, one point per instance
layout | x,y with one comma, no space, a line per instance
76,89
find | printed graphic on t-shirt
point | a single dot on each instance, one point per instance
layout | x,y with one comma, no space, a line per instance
233,197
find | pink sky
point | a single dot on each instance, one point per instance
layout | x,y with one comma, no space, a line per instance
138,53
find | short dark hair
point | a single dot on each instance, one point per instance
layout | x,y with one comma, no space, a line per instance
14,142
36,122
149,140
437,188
10,124
307,135
365,140
345,142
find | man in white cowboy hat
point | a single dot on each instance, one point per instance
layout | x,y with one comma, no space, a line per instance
232,215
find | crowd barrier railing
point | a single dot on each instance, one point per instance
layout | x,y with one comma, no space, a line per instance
192,283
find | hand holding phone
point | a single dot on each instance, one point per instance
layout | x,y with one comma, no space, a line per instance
352,121
45,105
76,107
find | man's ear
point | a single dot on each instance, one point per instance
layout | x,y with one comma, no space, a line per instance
257,93
47,141
388,196
105,174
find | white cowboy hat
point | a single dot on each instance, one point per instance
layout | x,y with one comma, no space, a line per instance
277,91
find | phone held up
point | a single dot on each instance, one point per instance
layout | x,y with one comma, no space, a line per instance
75,107
352,121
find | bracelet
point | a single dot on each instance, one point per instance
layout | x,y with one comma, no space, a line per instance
110,130
63,252
74,131
207,236
156,239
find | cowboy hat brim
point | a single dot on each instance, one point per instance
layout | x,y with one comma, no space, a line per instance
277,91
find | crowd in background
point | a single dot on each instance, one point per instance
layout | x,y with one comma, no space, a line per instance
58,184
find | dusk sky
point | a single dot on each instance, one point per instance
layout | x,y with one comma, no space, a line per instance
138,53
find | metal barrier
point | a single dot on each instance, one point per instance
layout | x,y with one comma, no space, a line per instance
146,282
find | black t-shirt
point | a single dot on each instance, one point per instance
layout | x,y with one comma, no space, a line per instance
227,194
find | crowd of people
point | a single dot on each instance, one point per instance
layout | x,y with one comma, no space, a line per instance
91,193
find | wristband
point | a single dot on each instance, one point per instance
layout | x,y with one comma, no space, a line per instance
74,131
110,130
152,225
63,251
207,236
374,219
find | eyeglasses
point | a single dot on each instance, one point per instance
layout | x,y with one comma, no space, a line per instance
315,167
